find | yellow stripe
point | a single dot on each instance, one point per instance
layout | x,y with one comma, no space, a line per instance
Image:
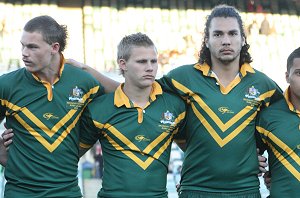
226,90
10,105
286,163
42,140
210,112
213,132
133,147
279,143
87,146
43,127
98,124
164,134
121,137
268,94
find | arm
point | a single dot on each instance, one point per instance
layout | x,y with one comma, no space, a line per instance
267,179
262,161
3,153
5,141
109,84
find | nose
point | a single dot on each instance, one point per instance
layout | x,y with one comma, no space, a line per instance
226,40
24,51
150,66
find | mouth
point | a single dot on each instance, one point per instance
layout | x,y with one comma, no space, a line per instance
26,62
226,51
149,77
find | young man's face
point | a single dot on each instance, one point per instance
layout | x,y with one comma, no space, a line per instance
36,53
293,78
225,41
141,68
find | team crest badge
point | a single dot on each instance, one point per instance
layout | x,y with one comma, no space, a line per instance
253,93
167,118
76,95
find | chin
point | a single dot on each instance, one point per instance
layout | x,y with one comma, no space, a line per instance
30,69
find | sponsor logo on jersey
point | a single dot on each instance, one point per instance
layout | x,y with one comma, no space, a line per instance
49,116
141,138
76,95
252,93
225,110
167,118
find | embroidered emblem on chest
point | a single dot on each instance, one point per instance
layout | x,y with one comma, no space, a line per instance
167,121
252,96
75,99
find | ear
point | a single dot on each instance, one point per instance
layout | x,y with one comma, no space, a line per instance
55,48
287,77
243,41
122,64
206,42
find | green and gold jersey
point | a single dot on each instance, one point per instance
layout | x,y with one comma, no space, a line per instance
43,158
221,152
136,142
279,127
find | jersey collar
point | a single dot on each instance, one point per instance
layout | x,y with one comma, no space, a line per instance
47,84
121,99
205,68
288,101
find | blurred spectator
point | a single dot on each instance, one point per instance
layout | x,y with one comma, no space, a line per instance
253,28
265,27
98,160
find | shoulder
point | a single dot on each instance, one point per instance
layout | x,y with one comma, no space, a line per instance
179,70
171,99
262,76
104,101
10,78
73,74
275,109
72,70
181,74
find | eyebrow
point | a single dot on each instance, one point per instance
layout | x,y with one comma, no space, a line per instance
221,31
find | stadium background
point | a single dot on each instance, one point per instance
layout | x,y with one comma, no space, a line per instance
176,26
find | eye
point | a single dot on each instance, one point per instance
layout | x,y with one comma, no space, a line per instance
216,34
233,33
154,61
141,61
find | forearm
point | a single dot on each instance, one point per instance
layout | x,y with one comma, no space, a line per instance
109,84
3,160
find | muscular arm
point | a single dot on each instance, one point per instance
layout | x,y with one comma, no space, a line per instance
109,84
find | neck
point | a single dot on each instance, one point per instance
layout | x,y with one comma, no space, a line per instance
226,72
139,96
295,101
51,72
